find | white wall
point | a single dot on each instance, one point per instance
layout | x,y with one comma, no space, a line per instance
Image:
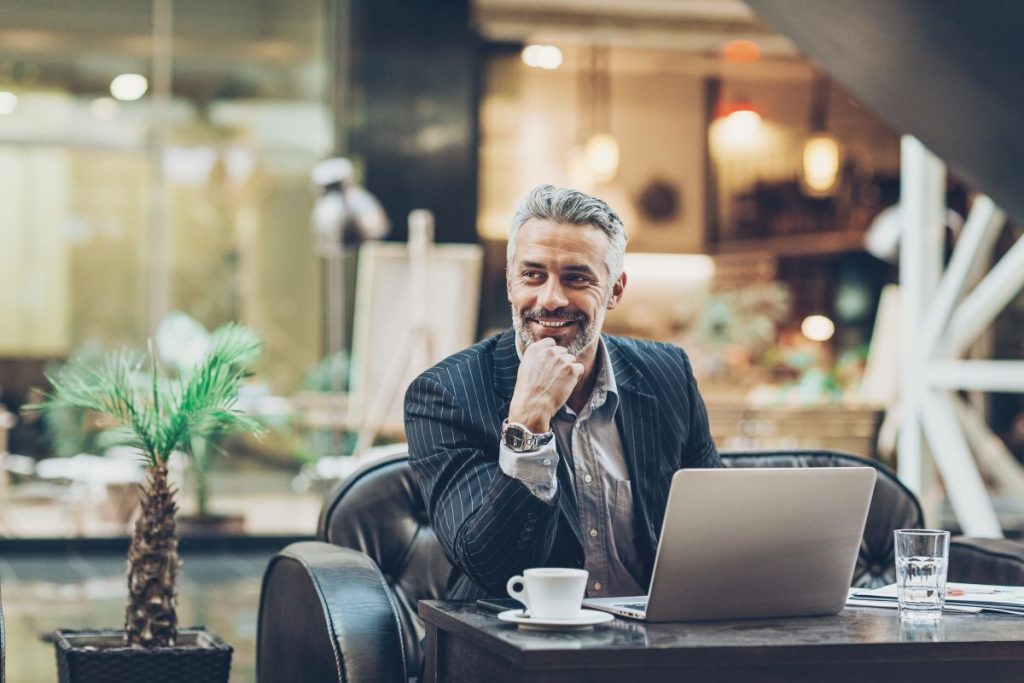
531,118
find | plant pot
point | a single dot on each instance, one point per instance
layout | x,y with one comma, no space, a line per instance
101,656
210,525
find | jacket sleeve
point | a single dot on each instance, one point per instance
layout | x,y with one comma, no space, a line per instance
488,523
699,448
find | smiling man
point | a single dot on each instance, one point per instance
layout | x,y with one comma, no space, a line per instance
551,444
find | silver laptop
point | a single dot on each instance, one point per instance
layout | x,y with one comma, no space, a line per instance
752,542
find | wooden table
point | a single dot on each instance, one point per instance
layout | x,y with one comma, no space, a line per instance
862,645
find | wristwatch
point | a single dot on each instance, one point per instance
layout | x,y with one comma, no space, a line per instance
520,439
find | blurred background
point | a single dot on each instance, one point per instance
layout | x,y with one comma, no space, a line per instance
158,177
157,162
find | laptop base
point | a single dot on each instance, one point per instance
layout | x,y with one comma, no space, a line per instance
632,607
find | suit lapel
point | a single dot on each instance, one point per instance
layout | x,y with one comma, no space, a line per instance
506,368
639,424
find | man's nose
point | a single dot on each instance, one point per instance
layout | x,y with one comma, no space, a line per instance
552,295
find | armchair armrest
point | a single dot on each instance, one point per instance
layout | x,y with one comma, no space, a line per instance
327,614
986,560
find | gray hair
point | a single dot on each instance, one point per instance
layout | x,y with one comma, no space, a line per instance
565,205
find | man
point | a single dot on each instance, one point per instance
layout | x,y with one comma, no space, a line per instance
550,444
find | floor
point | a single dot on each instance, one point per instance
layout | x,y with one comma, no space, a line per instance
47,585
43,592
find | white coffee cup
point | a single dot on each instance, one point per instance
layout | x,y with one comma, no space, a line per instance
550,592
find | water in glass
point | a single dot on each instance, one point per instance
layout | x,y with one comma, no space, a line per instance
921,585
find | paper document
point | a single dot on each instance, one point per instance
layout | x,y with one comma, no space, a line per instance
959,597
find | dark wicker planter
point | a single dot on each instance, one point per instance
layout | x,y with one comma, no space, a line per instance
101,657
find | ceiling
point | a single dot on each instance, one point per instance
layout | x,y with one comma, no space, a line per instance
696,26
946,71
276,48
226,47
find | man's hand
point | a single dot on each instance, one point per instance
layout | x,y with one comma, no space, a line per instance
547,376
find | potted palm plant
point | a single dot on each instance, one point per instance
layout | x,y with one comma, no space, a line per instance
159,415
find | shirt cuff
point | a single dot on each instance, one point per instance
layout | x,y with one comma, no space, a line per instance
537,470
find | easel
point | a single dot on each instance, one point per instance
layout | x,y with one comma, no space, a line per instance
416,343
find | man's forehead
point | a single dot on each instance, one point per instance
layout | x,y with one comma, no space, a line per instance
545,244
584,239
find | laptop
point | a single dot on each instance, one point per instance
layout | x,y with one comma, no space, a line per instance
754,542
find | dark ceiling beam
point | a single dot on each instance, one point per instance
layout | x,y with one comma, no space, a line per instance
949,72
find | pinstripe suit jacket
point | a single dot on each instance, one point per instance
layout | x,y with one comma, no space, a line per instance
488,523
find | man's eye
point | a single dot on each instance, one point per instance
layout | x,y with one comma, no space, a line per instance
577,279
531,274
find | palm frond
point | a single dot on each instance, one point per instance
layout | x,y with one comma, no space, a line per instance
204,401
159,415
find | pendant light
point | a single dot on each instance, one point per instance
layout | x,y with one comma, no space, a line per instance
821,151
601,150
740,120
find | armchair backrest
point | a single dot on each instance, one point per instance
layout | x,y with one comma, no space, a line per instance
380,512
893,506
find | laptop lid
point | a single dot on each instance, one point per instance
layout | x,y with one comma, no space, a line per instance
759,542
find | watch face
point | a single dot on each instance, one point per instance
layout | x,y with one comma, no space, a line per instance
515,438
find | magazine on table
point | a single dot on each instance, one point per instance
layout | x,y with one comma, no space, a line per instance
969,597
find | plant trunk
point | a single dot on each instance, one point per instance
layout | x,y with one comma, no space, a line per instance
151,619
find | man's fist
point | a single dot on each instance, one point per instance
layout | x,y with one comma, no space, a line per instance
547,376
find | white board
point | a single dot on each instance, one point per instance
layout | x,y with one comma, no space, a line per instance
383,314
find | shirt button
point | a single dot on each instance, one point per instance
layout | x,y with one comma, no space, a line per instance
546,461
587,478
597,585
593,533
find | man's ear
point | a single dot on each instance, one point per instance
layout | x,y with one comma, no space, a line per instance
617,289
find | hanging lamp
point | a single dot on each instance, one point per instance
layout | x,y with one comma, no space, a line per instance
821,155
601,150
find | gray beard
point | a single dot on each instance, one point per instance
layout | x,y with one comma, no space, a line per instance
585,334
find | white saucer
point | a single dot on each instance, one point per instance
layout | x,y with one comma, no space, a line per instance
586,619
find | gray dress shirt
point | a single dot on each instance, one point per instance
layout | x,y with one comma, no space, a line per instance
593,446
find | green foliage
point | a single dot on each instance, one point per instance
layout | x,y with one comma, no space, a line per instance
748,317
160,414
68,431
71,431
332,373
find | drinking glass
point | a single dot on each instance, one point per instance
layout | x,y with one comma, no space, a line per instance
922,556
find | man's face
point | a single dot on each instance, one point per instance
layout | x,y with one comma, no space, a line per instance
559,285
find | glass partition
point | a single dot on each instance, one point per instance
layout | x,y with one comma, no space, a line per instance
120,203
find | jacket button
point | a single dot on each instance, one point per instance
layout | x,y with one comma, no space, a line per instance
532,517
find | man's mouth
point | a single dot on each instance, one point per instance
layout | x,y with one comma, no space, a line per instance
553,323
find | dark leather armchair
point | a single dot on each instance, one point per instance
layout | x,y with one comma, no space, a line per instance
343,608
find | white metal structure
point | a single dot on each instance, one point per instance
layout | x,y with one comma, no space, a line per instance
942,317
